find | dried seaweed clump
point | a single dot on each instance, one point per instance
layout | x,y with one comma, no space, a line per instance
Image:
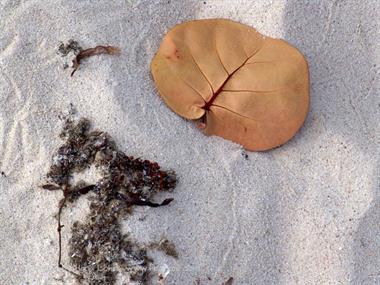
98,249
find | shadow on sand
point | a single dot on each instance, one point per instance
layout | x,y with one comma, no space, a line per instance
337,38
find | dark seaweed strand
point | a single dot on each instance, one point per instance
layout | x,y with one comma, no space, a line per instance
125,182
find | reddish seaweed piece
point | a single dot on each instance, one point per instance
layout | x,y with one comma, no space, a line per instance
111,50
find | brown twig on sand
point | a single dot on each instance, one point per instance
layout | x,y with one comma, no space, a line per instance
59,228
93,51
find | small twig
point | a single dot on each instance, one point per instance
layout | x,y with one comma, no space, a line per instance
62,203
59,228
72,272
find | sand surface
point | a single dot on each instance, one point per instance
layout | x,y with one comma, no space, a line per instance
305,213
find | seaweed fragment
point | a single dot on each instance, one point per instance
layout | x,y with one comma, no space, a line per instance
111,50
98,249
69,50
71,46
76,53
51,187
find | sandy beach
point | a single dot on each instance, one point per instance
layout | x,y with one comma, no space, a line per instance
305,213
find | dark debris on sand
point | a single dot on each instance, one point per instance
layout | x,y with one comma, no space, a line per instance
98,250
73,47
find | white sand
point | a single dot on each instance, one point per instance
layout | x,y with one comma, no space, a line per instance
305,213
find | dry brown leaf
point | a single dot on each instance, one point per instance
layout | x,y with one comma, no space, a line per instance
237,83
